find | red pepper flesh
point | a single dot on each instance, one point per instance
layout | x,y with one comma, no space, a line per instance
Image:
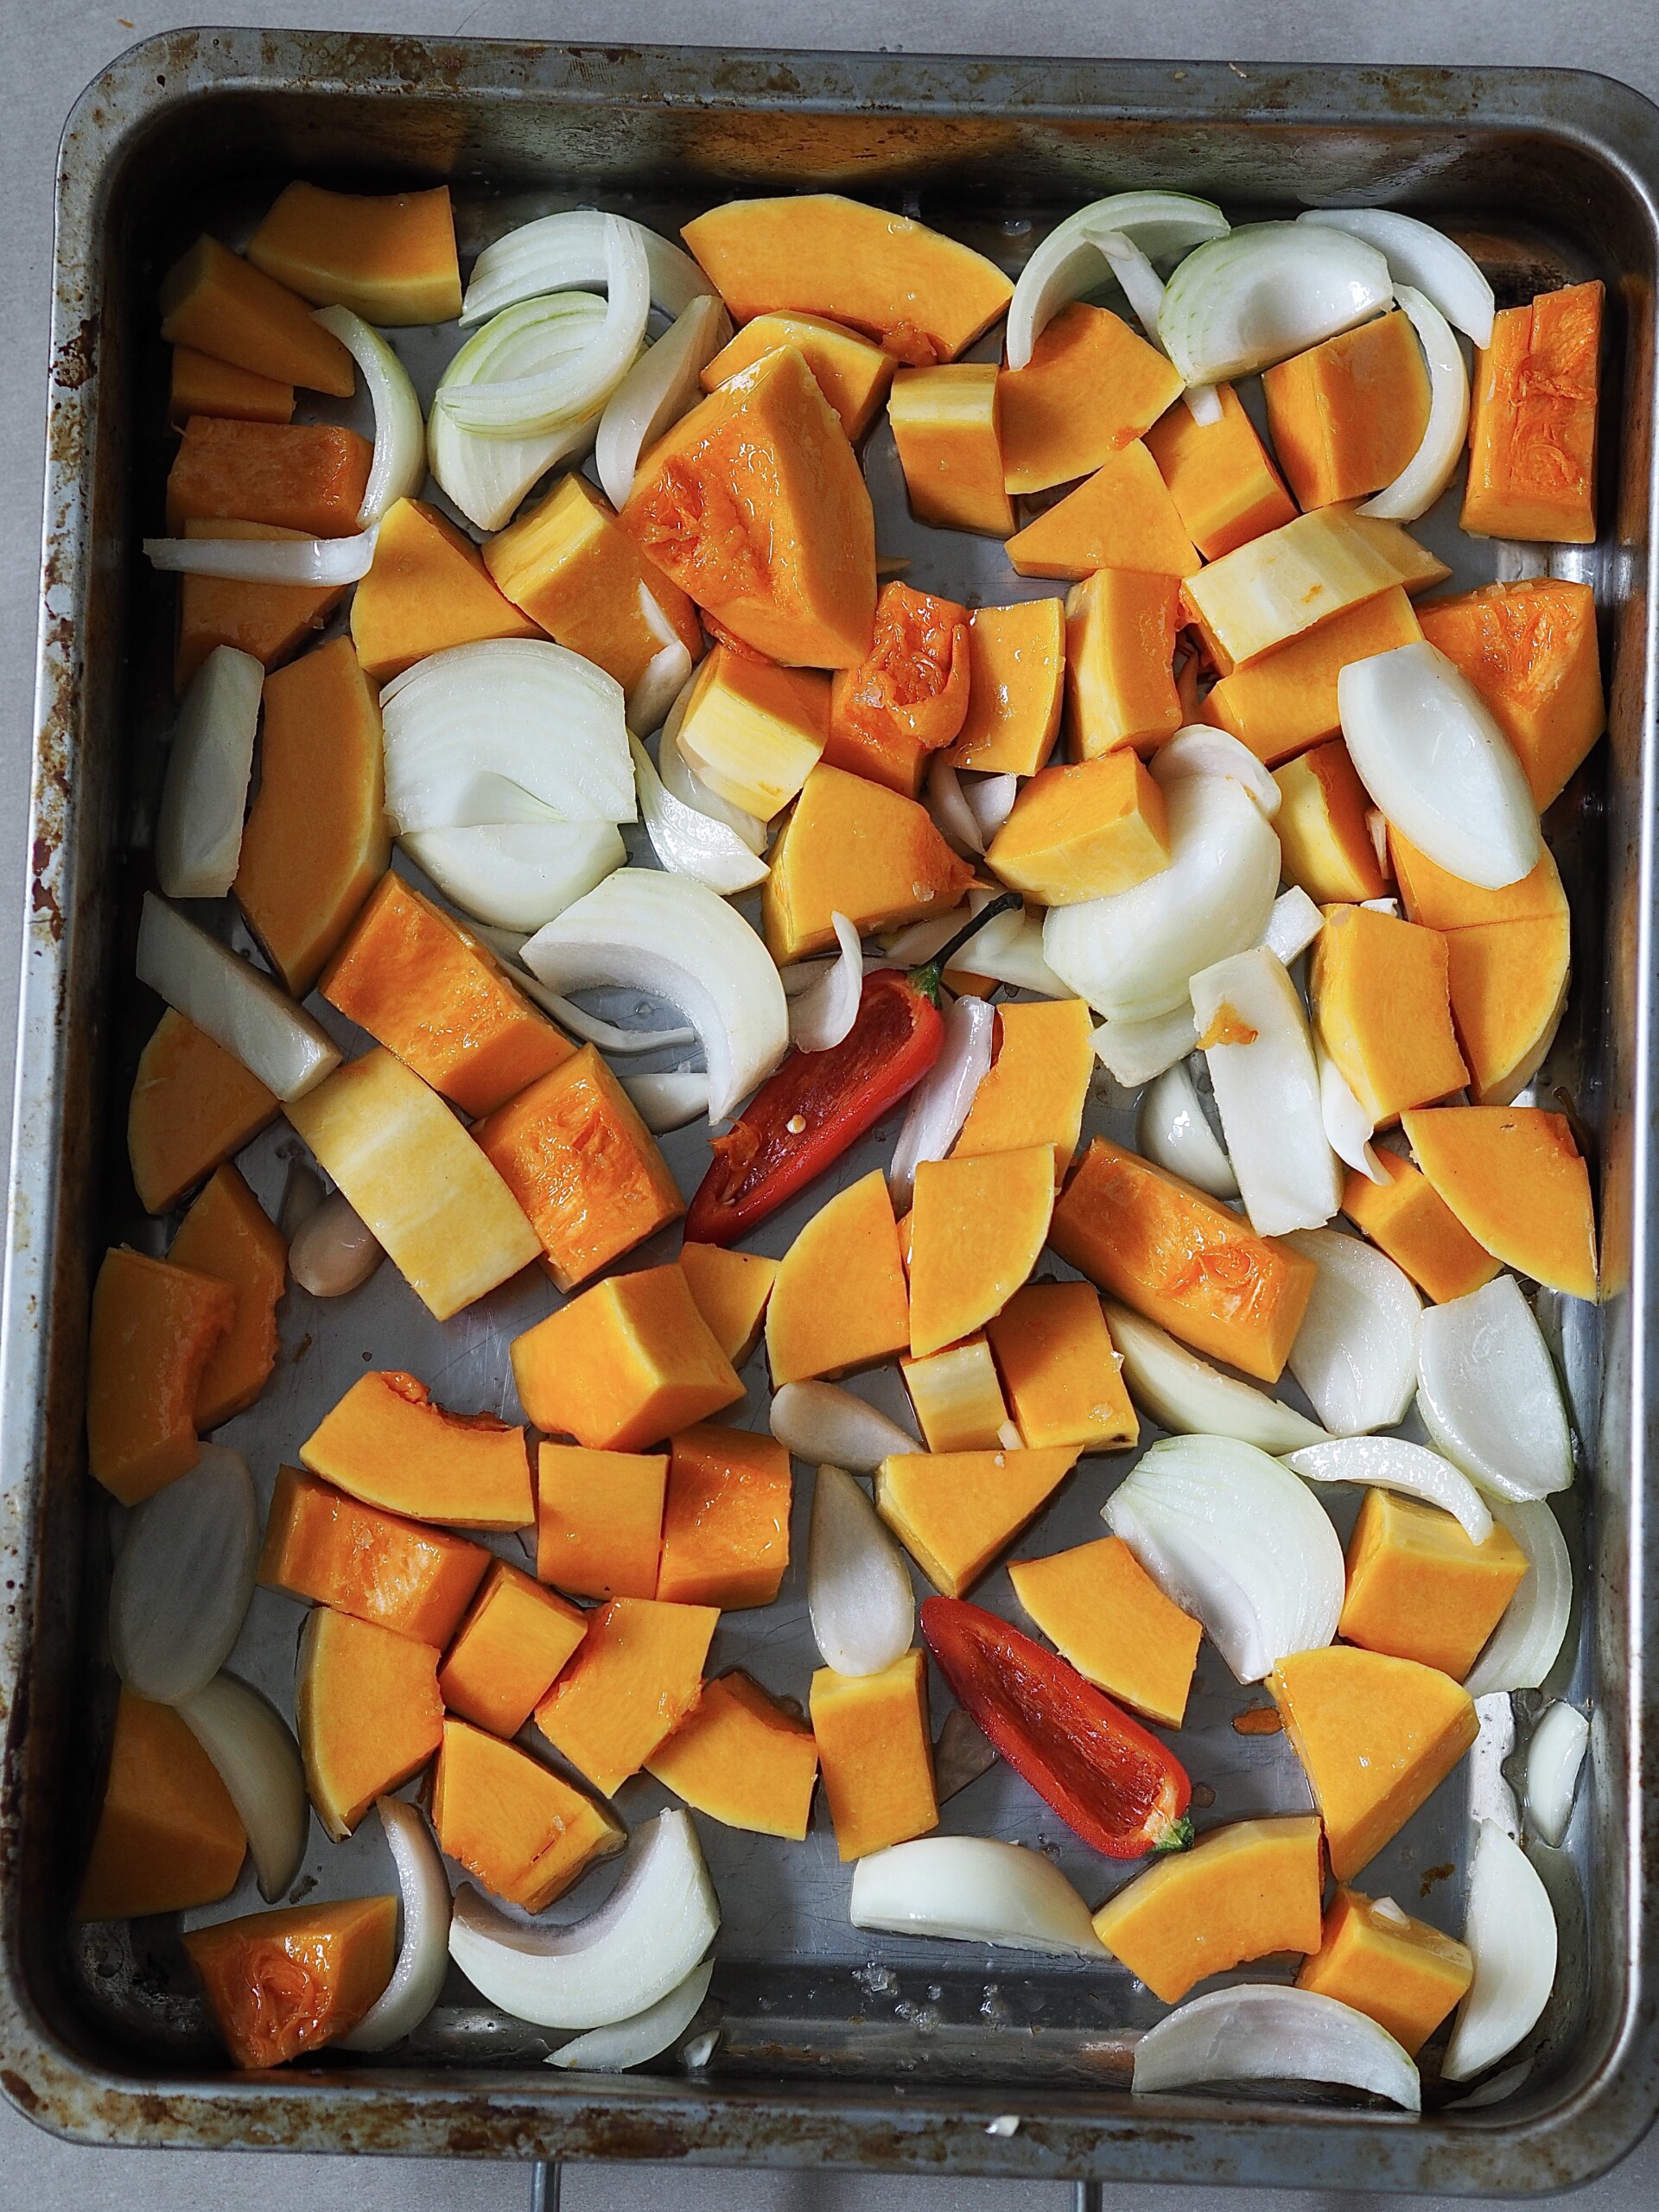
1108,1778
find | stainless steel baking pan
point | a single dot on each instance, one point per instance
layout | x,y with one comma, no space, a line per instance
836,2049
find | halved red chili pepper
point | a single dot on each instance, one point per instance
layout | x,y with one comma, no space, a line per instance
1108,1778
818,1104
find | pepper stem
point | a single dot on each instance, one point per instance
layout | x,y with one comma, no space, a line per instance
1176,1836
928,979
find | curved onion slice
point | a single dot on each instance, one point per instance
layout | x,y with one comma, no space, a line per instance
230,1001
320,561
1418,254
209,766
1008,950
647,2035
947,803
1525,1645
1186,1396
673,937
644,1940
1265,291
1266,1091
822,1015
1238,1542
668,1101
974,1891
1426,747
1070,262
510,944
656,391
259,1763
1173,1132
1133,1052
943,1098
399,469
1198,750
1489,1395
682,780
823,1423
423,1950
1292,925
1390,1463
1510,1929
517,874
1264,2033
1132,955
1356,1352
990,801
487,477
689,844
181,1585
1348,1127
1430,469
1554,1757
557,253
858,1589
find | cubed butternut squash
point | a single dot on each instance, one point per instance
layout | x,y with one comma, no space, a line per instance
852,374
1442,901
270,621
840,1300
1405,1217
515,1639
368,1711
1225,488
305,476
1346,416
1242,1892
754,731
281,1983
227,1234
427,590
1532,421
725,1518
388,256
155,1328
946,423
888,715
1418,1588
213,299
1382,1009
1287,701
876,1754
1518,1183
1122,517
1084,830
636,1675
200,386
193,1105
1529,649
1288,582
976,1227
1323,836
323,1544
1101,1610
1119,662
389,1445
1043,1061
1399,1972
167,1835
625,1364
957,1398
741,1759
1060,1371
1508,983
1091,386
522,1829
1016,664
731,1290
855,848
956,1513
599,1520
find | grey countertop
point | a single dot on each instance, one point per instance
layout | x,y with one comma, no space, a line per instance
52,47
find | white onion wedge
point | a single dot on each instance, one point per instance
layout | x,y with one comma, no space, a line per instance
1265,291
666,674
1069,261
1173,1131
682,780
557,253
858,1588
1292,925
487,477
1133,1052
1390,1463
1554,1757
1426,747
644,1940
517,875
1510,1929
675,938
1267,1088
325,562
1235,1540
231,1002
656,391
823,1423
943,1098
590,1027
423,1947
1430,469
1198,750
259,1763
1264,2033
990,801
209,766
182,1585
1008,950
1356,1352
1489,1394
398,469
646,2036
1348,1127
689,844
972,1890
822,1015
668,1101
1186,1396
953,817
1418,254
1526,1642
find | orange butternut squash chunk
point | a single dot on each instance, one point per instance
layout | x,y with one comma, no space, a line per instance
1101,1610
1091,386
1406,1216
155,1328
1121,517
193,1105
200,386
1060,1369
852,374
753,731
957,1397
909,698
1529,649
514,1640
636,1675
743,1760
731,1290
270,621
1419,1589
956,1513
725,1518
1517,1182
876,1755
389,1445
281,1983
388,256
1284,584
167,1835
1509,983
1016,664
1189,1265
599,1520
321,1543
226,1234
855,848
1347,415
522,1829
1225,488
920,295
305,476
316,841
1038,1081
1119,658
1440,901
1399,1972
1242,1892
1381,1009
976,1228
214,301
1287,701
754,504
840,1300
427,989
1324,837
1532,421
1082,831
427,590
369,1714
625,1364
946,423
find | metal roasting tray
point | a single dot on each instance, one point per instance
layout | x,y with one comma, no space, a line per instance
836,2049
